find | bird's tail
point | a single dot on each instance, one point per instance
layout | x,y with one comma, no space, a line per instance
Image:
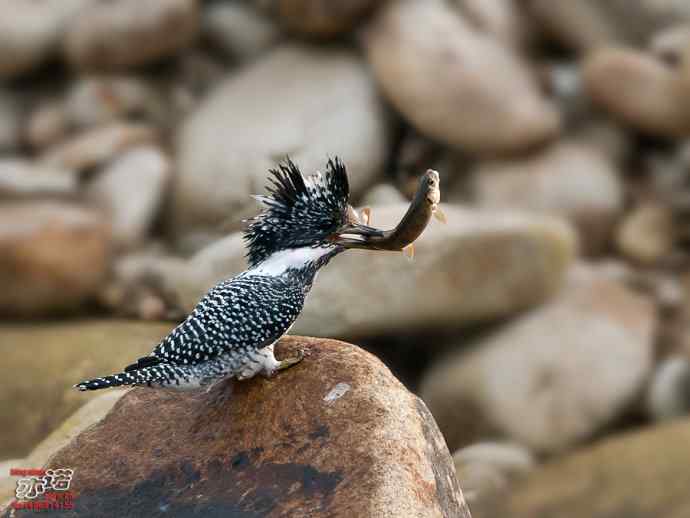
144,376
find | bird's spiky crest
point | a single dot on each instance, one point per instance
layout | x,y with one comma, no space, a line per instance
298,211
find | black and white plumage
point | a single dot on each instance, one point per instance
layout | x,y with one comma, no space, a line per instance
231,332
301,212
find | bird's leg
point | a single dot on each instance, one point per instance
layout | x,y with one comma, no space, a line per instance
272,366
289,362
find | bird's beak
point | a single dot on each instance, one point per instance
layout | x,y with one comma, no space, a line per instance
354,235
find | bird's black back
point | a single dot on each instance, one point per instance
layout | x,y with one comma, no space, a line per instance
245,313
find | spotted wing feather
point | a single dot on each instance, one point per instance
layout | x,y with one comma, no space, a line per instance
237,316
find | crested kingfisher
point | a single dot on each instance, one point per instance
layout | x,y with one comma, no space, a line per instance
305,222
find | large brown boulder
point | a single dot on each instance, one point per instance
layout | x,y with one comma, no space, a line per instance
570,179
126,33
455,84
553,377
640,90
253,119
131,190
53,256
336,435
641,475
30,32
87,415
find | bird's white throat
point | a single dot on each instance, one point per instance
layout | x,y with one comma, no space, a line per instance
276,263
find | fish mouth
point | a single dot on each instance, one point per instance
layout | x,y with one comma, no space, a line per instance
356,235
430,182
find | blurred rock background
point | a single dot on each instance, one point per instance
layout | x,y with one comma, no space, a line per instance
547,326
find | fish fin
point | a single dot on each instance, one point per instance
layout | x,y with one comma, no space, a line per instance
408,251
366,215
440,215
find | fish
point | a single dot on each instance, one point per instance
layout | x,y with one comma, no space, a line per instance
423,207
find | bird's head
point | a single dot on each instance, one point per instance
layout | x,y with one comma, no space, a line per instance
301,213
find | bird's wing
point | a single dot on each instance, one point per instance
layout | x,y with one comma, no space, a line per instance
245,313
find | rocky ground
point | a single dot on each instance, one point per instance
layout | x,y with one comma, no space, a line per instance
338,435
546,326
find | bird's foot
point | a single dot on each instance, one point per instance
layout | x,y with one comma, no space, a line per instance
287,363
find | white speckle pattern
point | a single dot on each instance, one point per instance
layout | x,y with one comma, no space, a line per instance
231,331
300,212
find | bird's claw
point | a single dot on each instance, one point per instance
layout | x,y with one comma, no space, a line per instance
287,363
